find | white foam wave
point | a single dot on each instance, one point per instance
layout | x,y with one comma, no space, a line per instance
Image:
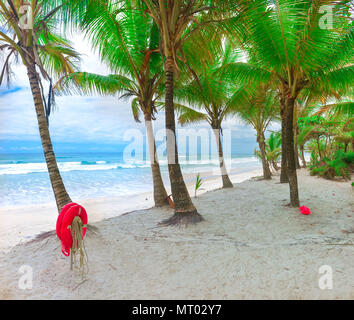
26,168
212,162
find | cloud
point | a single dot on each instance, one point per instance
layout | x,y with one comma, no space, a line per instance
75,119
87,121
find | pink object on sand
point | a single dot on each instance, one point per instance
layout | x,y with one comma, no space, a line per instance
304,210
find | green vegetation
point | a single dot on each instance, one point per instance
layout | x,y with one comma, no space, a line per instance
328,136
198,184
272,150
341,165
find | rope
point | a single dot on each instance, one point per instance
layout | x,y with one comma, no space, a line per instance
78,247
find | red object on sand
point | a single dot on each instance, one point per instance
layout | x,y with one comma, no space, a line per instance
64,221
304,210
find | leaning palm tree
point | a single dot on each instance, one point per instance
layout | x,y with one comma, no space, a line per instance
27,36
129,45
293,48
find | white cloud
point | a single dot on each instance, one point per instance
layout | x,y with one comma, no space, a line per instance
78,118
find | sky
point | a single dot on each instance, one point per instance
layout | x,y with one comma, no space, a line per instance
82,123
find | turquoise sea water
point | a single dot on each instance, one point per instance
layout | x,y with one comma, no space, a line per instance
24,178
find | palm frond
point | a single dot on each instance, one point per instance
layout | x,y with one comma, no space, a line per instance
89,83
136,109
187,115
342,108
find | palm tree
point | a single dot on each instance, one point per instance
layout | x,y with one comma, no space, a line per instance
210,99
292,49
130,47
273,149
341,115
303,108
326,125
312,104
261,108
27,34
303,136
176,21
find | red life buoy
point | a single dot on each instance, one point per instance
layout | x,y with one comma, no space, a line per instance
64,222
60,217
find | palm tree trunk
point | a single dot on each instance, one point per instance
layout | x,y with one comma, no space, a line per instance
266,170
297,162
226,182
283,170
275,165
160,194
61,196
302,153
185,211
290,152
319,147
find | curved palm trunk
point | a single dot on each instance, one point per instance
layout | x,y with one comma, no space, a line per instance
266,170
275,166
284,165
160,194
61,196
226,182
290,152
185,211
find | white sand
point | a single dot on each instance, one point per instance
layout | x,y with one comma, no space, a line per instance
19,224
250,246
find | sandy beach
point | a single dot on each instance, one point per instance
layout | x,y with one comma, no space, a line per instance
15,227
250,246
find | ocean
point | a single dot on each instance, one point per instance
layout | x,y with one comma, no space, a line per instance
24,178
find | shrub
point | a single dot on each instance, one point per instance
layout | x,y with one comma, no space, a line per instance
340,166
